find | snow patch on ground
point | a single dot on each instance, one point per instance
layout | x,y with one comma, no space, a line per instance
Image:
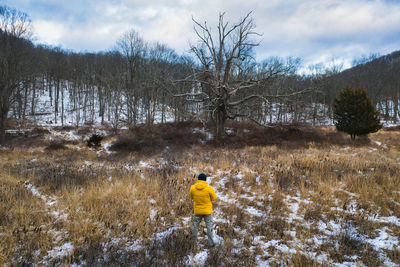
60,252
197,260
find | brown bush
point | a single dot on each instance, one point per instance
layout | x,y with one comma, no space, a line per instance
245,134
38,131
392,128
239,135
56,145
157,137
84,130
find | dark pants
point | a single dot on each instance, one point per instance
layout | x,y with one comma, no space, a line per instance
195,227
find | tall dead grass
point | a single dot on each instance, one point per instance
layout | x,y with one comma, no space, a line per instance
24,235
111,203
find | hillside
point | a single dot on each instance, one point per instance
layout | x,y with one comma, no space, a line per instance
381,77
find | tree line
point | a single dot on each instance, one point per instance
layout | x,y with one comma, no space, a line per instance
219,80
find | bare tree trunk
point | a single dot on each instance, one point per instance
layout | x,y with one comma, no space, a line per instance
135,109
33,102
220,118
396,107
56,99
270,113
100,91
78,106
93,104
25,102
153,111
3,117
162,112
387,109
49,83
62,105
84,103
116,117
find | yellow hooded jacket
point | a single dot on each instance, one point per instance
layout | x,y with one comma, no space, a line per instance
202,195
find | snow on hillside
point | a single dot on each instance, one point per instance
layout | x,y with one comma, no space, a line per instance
83,112
78,112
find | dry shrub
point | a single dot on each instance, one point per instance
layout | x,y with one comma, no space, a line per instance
56,175
157,137
66,128
363,224
334,137
274,206
168,251
350,244
313,213
391,138
92,251
84,130
392,128
370,257
37,131
271,227
286,178
300,259
56,145
347,246
236,215
227,256
292,136
138,141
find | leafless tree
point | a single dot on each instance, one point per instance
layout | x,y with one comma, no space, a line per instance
133,49
14,27
228,77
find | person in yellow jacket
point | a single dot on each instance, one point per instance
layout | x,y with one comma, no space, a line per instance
202,195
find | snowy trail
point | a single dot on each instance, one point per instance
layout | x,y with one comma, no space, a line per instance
59,250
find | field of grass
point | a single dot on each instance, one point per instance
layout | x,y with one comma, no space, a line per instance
303,203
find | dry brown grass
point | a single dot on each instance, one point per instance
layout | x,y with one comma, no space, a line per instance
106,205
24,231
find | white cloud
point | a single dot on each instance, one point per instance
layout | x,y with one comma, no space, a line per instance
313,30
49,32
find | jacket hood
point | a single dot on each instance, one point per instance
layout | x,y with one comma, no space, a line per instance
200,185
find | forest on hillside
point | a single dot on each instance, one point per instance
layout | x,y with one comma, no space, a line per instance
219,80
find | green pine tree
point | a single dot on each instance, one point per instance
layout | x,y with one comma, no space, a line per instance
354,113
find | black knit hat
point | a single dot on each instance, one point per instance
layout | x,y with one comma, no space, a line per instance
202,177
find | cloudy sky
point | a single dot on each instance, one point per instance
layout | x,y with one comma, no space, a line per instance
314,30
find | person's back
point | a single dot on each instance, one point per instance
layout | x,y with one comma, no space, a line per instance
202,195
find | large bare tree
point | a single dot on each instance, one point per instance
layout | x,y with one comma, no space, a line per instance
228,77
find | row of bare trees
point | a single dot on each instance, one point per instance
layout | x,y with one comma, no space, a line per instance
221,80
125,85
15,51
